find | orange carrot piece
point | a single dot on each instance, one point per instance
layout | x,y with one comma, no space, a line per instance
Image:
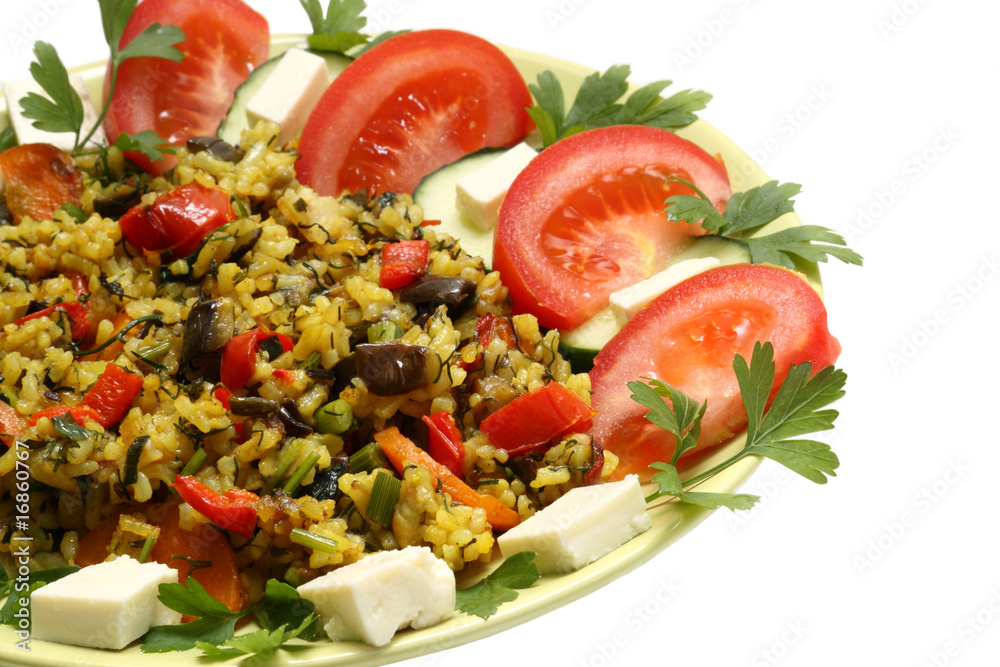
12,424
399,450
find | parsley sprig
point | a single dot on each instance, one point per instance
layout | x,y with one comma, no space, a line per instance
282,613
597,104
340,29
484,598
64,111
747,212
797,409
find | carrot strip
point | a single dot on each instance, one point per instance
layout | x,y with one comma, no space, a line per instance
399,450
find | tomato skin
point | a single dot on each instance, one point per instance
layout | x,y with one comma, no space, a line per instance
403,262
226,39
688,338
408,106
178,220
40,179
585,219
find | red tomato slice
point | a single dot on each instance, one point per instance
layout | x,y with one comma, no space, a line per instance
688,338
408,106
226,39
585,219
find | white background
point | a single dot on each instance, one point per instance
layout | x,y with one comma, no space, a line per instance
886,112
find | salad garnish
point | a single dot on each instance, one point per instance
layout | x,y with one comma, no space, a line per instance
484,598
64,112
596,104
746,212
772,431
339,30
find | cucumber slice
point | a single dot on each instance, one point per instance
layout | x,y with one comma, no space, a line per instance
436,195
582,344
236,118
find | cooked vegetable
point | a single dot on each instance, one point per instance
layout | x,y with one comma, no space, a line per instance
382,503
449,290
534,419
389,369
239,356
209,326
178,220
230,510
39,179
400,450
334,417
112,394
402,262
444,441
367,459
77,314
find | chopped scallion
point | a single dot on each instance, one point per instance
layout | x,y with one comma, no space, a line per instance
293,482
335,417
384,331
288,456
313,541
194,463
367,459
147,547
382,504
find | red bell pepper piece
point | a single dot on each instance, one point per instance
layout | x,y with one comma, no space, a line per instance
178,220
222,395
403,262
284,376
533,420
230,510
112,394
80,413
77,313
239,356
444,442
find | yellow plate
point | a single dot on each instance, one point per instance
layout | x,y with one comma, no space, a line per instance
671,521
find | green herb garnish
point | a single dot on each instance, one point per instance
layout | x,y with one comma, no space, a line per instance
64,111
771,432
340,29
7,138
213,630
18,590
484,598
596,105
746,212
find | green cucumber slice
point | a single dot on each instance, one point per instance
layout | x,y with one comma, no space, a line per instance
582,344
436,195
236,118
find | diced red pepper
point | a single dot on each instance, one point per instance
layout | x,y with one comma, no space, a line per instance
222,395
533,420
239,356
112,394
231,510
80,413
593,474
283,375
403,262
178,220
77,313
444,442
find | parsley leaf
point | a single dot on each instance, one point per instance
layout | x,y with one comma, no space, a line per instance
215,623
263,642
797,409
62,111
7,138
484,598
282,607
340,29
148,142
747,212
597,104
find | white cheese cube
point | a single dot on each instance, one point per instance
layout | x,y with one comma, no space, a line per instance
478,195
107,605
382,593
290,93
629,301
581,526
26,134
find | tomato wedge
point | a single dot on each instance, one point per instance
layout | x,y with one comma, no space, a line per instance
688,338
226,39
586,219
408,106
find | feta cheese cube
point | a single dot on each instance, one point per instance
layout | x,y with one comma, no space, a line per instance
108,605
14,91
290,93
581,526
382,593
629,301
478,195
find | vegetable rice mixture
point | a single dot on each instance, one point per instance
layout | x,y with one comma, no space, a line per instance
237,380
